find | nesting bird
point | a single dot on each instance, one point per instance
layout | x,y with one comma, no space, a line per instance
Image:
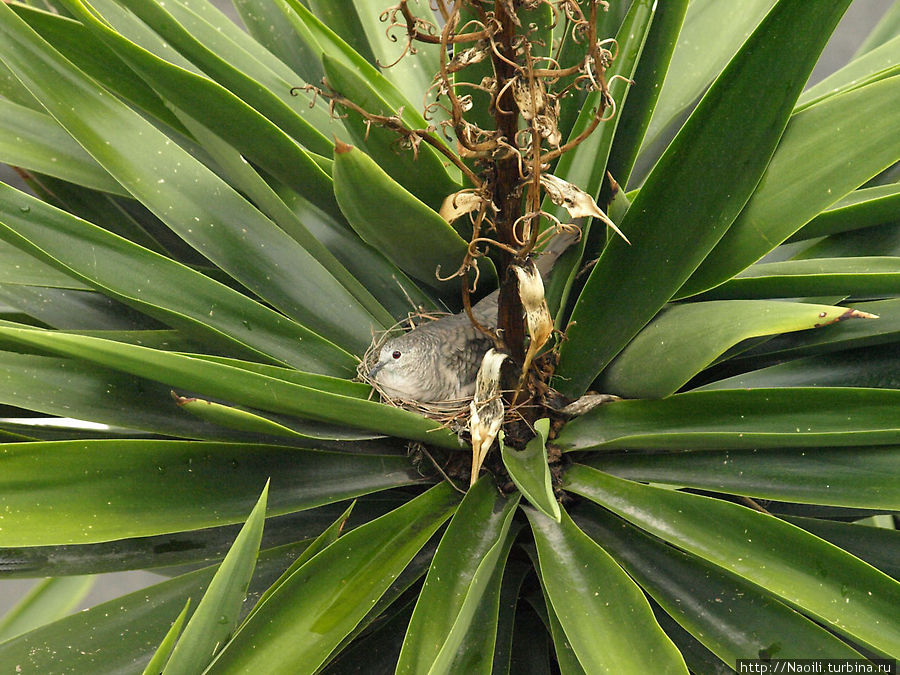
438,361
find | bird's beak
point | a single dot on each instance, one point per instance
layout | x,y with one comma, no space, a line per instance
376,368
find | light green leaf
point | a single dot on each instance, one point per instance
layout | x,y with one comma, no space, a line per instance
178,295
421,170
887,28
860,277
193,201
217,614
102,490
311,612
868,67
34,141
48,600
238,386
159,658
529,470
129,627
708,40
391,219
603,612
861,208
841,591
684,339
265,86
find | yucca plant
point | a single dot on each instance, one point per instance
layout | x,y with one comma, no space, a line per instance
223,220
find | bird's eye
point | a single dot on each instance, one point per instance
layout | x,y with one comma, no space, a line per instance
396,354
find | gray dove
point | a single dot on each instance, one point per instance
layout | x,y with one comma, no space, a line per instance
438,360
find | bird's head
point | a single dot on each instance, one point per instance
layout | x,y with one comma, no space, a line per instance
400,367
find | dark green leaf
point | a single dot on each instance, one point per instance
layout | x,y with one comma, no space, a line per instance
844,593
696,189
604,614
813,476
469,556
731,617
734,418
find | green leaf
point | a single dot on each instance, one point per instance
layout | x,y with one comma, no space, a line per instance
129,628
420,170
719,28
217,614
17,267
342,20
391,219
731,617
34,141
73,40
238,386
48,600
649,78
684,339
69,388
177,550
877,367
530,472
840,336
73,309
265,86
586,165
862,276
875,64
257,138
411,75
696,189
325,539
827,151
178,295
205,485
320,603
878,546
887,28
192,200
865,207
732,419
466,561
159,658
603,612
830,476
273,25
842,592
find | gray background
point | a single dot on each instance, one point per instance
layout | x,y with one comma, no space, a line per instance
858,21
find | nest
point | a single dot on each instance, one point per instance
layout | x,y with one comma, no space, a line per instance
453,414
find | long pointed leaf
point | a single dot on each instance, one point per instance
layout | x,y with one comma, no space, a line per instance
602,611
460,571
217,614
696,189
320,603
843,592
239,386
